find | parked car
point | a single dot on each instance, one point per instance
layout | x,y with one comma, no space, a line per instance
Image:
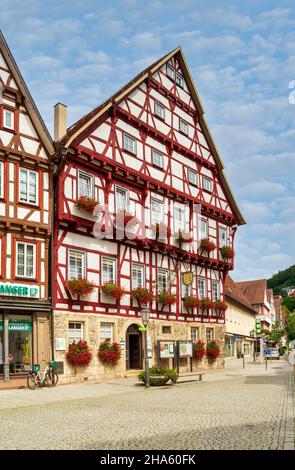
271,353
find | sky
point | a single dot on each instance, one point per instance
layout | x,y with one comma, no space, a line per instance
242,59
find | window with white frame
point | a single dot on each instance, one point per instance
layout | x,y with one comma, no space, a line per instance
186,289
1,179
28,186
121,199
170,71
157,158
203,228
222,236
76,264
137,275
129,143
209,334
162,280
192,177
106,332
179,218
159,110
202,288
85,184
25,260
207,184
157,211
183,126
108,270
179,79
215,290
75,331
8,119
194,334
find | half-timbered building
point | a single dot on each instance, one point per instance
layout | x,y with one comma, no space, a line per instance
25,225
146,151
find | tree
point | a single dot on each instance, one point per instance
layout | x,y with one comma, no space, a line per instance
290,325
289,302
275,335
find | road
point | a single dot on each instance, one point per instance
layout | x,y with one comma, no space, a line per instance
232,409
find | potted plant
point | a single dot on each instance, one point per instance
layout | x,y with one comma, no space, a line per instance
142,295
212,350
159,376
122,218
112,289
220,305
199,350
207,244
162,231
227,252
109,353
80,286
183,236
166,298
206,303
79,354
191,301
87,203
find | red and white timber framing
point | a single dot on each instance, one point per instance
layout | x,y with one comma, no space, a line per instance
95,146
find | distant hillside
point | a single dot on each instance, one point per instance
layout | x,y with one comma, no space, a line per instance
282,279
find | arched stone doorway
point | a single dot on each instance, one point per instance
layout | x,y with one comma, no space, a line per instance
133,348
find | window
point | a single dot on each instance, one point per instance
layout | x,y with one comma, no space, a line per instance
170,71
186,289
106,332
203,225
108,270
183,127
157,211
157,158
129,143
28,186
166,330
26,259
215,290
76,264
1,179
179,80
209,334
207,184
162,279
192,177
194,334
8,119
179,218
137,276
159,110
202,291
85,184
121,199
222,236
75,332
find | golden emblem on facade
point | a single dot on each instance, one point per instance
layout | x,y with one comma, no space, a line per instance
187,278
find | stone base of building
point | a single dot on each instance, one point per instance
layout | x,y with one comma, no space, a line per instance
125,332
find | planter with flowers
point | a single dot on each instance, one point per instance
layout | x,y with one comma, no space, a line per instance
123,218
183,236
207,304
111,289
109,354
87,203
207,244
227,252
80,286
220,305
212,350
166,298
199,350
142,295
162,231
79,354
191,301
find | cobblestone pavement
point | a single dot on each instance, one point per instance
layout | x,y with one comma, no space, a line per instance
232,409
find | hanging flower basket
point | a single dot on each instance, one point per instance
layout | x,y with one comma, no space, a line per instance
122,218
80,286
109,353
227,252
87,203
207,244
183,236
142,295
199,350
113,290
79,354
166,298
190,301
220,305
161,230
212,350
207,304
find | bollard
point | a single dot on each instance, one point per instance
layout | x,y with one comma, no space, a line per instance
265,364
243,362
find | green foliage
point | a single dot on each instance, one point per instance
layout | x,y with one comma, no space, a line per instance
289,302
285,278
170,374
290,325
275,335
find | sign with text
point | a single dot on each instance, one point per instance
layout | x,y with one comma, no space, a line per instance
19,290
17,326
166,349
185,348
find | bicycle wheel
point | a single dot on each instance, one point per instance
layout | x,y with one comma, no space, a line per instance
31,381
51,379
54,378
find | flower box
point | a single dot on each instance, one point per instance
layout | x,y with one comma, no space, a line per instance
113,290
142,295
220,305
122,218
199,350
207,304
212,350
183,236
80,286
166,298
207,244
109,353
227,252
191,301
79,354
87,203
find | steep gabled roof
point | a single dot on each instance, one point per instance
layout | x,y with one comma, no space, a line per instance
233,292
29,102
80,126
255,290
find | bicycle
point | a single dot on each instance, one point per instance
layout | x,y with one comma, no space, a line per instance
48,378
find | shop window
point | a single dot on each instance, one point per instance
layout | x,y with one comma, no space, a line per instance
26,260
108,269
194,334
166,330
1,179
28,186
85,184
20,343
1,344
209,334
75,331
137,276
106,332
76,264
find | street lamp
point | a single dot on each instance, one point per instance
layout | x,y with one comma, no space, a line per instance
145,316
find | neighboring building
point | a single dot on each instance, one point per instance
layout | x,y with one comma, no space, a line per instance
25,225
261,299
148,146
239,322
280,314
